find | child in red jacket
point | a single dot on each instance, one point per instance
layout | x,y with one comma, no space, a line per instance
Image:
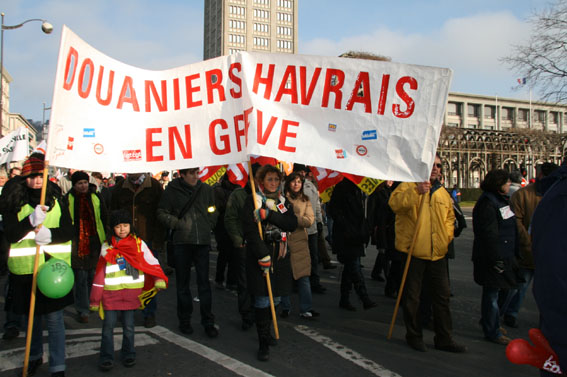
126,269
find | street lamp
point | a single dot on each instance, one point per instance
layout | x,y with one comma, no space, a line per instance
46,27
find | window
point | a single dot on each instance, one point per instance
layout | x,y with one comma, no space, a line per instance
285,45
539,116
282,30
261,42
284,17
240,11
262,2
235,38
489,112
523,115
473,110
259,13
453,108
553,117
285,3
262,28
507,113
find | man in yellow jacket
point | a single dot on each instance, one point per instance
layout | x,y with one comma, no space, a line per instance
426,208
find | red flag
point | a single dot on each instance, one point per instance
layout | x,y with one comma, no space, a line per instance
325,177
238,173
263,160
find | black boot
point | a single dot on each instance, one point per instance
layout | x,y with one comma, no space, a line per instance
360,288
263,328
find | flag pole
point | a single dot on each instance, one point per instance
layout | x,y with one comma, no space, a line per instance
34,279
406,268
267,275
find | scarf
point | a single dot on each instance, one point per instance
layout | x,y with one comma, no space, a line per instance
86,225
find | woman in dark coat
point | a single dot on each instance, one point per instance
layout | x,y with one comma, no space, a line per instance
269,253
495,249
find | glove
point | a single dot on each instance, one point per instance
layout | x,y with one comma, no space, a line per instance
160,284
38,215
540,355
265,264
271,204
499,266
319,227
43,236
261,214
93,308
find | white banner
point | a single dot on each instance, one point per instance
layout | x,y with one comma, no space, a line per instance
14,146
370,118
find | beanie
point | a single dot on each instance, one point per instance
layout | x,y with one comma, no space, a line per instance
120,216
79,176
33,165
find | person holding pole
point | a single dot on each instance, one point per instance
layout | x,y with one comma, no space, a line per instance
424,228
22,220
266,253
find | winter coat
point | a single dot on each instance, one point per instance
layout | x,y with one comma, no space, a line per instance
15,230
197,223
298,246
550,256
350,229
142,204
437,220
313,194
524,203
232,219
383,219
89,261
495,240
256,248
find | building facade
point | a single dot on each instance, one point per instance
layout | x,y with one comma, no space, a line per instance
249,25
481,133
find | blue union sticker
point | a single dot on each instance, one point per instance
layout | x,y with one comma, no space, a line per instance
88,132
369,135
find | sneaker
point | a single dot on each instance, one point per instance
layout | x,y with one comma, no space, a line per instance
11,333
306,315
149,322
105,366
284,313
314,313
452,347
417,344
129,362
211,331
186,328
502,340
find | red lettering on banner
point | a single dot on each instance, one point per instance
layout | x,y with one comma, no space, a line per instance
151,88
88,63
235,79
106,101
173,135
151,143
263,137
267,81
239,132
72,59
217,85
223,138
410,104
383,94
285,134
306,96
339,76
357,97
190,89
289,76
176,100
127,86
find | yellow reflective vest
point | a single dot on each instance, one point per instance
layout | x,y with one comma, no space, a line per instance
22,253
116,279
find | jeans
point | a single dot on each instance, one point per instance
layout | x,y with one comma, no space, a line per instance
107,341
13,320
305,298
56,340
185,256
314,254
518,298
151,307
490,311
82,290
262,302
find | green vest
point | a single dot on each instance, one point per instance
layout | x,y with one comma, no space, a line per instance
96,207
116,279
22,253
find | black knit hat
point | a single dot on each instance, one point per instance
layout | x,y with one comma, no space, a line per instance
120,216
79,176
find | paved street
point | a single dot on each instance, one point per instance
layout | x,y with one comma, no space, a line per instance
340,343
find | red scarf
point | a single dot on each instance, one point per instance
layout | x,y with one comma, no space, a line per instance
86,225
131,249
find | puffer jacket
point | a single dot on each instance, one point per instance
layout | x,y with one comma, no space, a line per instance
437,220
297,240
196,225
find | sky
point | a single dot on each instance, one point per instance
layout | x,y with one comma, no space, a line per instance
470,37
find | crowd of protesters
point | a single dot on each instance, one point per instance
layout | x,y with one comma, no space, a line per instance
278,231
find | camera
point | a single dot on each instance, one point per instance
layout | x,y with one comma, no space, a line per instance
273,235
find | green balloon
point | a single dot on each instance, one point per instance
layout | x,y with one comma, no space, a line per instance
55,278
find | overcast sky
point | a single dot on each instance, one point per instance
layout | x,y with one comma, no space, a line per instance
467,36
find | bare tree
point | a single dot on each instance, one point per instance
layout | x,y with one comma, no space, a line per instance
543,60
